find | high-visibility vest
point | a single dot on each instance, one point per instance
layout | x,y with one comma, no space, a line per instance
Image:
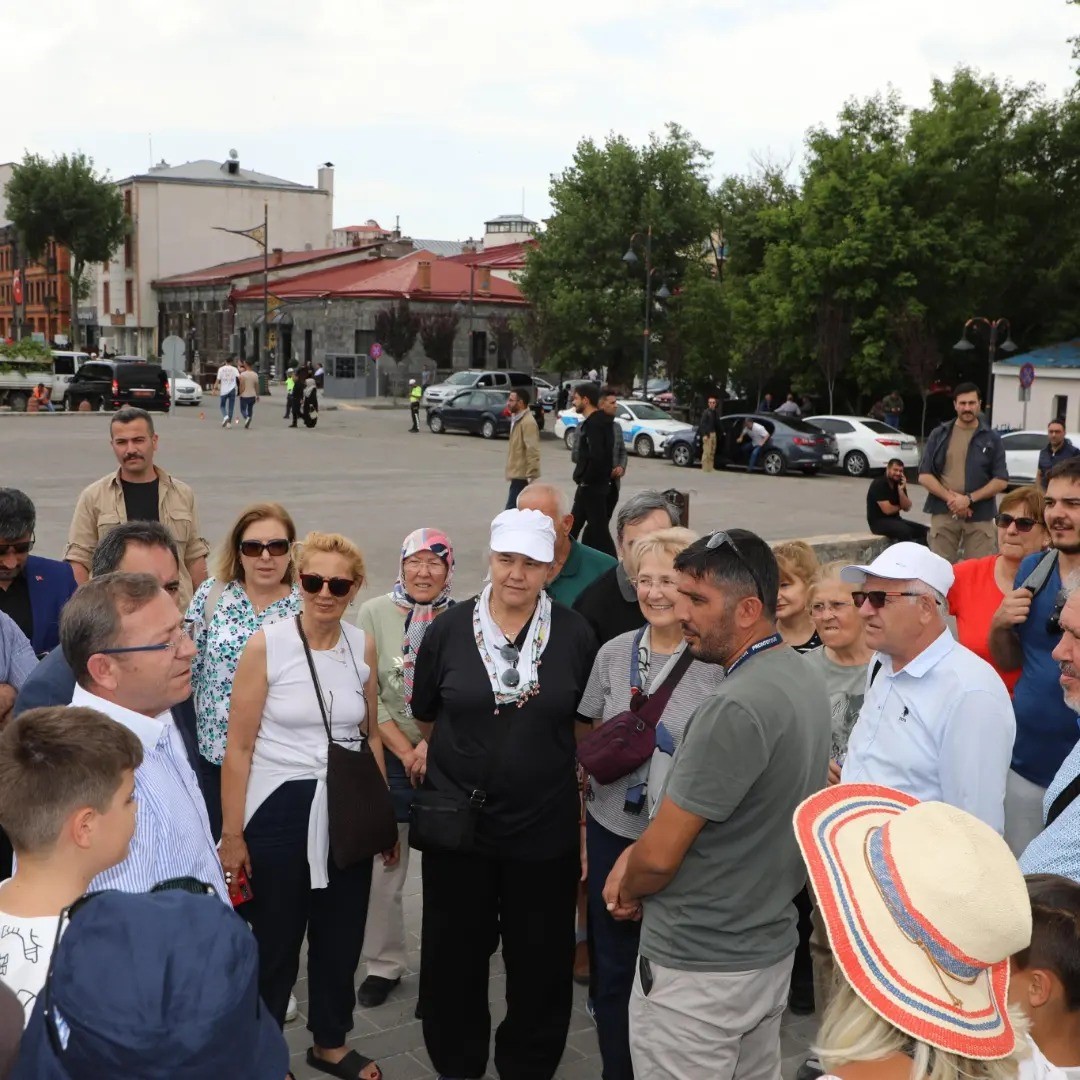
290,382
416,393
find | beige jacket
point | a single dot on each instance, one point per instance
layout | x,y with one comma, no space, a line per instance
523,454
101,507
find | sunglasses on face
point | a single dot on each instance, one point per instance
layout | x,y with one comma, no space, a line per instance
721,539
313,583
877,597
254,548
16,547
1023,524
511,654
1053,622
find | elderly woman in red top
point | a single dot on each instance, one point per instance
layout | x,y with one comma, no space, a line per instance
981,584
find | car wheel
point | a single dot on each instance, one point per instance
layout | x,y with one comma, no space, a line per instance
18,402
682,455
97,404
773,463
643,446
570,438
434,421
856,463
487,429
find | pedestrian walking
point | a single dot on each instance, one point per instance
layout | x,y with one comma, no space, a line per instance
309,404
609,405
249,392
228,376
415,394
592,470
708,426
296,397
523,451
963,469
290,383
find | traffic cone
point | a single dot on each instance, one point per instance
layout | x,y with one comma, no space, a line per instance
202,416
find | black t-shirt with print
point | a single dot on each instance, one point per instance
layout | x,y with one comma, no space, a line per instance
141,500
532,798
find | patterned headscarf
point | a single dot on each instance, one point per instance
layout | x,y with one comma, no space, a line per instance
419,616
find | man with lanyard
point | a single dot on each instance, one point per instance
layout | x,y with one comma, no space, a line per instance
1058,449
713,875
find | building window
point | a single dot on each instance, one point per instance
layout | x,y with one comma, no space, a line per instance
362,342
345,367
127,202
308,346
106,303
129,296
128,256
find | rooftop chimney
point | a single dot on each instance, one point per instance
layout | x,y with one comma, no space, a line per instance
232,166
483,279
423,276
326,177
277,253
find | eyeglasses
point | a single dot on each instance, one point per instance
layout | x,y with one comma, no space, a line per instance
1053,621
1023,524
721,539
648,583
511,654
820,607
16,547
187,630
338,586
877,597
254,548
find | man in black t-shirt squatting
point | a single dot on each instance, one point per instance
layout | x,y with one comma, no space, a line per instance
885,498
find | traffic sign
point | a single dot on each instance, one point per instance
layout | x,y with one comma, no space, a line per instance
1027,375
375,351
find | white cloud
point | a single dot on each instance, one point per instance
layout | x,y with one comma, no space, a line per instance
448,109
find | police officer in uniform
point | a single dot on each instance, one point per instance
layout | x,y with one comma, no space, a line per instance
415,394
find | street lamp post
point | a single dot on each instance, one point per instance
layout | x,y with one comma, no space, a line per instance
1008,345
630,258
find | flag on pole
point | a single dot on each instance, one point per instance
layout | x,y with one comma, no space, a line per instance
256,233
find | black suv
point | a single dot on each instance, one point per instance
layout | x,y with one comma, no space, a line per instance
111,384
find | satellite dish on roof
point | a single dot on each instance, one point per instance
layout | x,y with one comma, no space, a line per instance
234,155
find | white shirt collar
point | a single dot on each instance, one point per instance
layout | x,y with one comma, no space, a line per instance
148,730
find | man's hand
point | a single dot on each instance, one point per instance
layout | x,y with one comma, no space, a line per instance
8,694
418,764
958,504
1013,610
619,906
617,472
834,773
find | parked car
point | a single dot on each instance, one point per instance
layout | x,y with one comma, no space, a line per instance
476,411
645,428
864,443
546,394
478,378
795,444
1022,453
111,384
185,391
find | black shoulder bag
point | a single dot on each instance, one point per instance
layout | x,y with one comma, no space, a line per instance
359,807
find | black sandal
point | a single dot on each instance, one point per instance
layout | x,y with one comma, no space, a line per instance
350,1067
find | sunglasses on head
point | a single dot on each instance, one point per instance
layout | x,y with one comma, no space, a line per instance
721,539
254,548
313,583
1023,524
878,597
16,547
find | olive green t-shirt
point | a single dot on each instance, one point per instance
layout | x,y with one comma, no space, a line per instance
751,753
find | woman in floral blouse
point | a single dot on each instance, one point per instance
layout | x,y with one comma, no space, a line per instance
254,585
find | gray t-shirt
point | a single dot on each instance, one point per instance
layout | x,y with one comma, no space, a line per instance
749,756
846,686
608,694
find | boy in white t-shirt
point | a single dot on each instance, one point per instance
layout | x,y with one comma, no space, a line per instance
67,804
1045,979
228,375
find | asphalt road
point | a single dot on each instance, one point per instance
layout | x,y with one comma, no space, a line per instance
362,473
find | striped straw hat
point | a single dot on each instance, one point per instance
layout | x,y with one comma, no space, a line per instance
924,904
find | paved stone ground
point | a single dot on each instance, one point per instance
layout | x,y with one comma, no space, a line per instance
362,473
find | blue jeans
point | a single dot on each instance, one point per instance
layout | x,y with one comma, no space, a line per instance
247,407
892,419
754,455
614,954
517,486
228,404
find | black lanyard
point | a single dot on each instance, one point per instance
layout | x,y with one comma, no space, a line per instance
758,646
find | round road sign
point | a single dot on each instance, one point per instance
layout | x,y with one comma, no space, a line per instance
375,351
1027,375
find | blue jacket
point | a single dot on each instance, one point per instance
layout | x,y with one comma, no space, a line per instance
51,584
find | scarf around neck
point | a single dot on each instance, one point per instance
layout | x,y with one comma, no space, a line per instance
490,640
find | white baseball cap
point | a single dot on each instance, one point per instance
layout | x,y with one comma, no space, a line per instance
412,382
905,562
524,532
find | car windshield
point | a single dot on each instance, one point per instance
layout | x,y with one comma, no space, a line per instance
644,411
461,378
879,428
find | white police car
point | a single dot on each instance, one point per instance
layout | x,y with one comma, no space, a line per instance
645,428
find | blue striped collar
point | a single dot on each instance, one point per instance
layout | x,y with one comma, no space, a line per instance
147,729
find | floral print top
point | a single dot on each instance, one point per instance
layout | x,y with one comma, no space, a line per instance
218,650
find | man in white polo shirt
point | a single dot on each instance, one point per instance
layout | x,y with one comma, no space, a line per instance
936,721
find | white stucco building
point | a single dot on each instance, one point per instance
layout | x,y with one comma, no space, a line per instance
174,210
1055,393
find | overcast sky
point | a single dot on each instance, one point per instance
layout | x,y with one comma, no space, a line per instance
447,112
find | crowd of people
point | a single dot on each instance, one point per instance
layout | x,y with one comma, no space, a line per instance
713,778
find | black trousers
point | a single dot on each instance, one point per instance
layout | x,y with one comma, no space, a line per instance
517,486
591,514
469,902
613,496
284,907
899,528
414,412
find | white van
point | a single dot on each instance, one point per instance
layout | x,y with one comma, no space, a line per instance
65,364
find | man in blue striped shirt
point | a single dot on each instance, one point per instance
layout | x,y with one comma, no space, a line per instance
131,655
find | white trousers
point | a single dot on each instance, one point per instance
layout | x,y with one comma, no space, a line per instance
384,934
720,1025
1023,812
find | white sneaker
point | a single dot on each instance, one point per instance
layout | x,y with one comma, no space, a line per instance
291,1010
224,421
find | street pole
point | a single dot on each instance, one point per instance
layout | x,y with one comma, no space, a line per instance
1008,345
990,367
264,362
472,350
648,313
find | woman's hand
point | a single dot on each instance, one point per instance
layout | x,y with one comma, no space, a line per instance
392,857
233,853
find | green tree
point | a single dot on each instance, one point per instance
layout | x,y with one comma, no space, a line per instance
396,327
437,333
65,200
588,302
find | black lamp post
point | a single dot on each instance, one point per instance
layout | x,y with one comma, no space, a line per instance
1008,345
631,259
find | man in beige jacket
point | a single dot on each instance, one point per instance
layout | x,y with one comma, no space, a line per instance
523,454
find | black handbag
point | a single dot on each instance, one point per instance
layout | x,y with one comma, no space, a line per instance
359,806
